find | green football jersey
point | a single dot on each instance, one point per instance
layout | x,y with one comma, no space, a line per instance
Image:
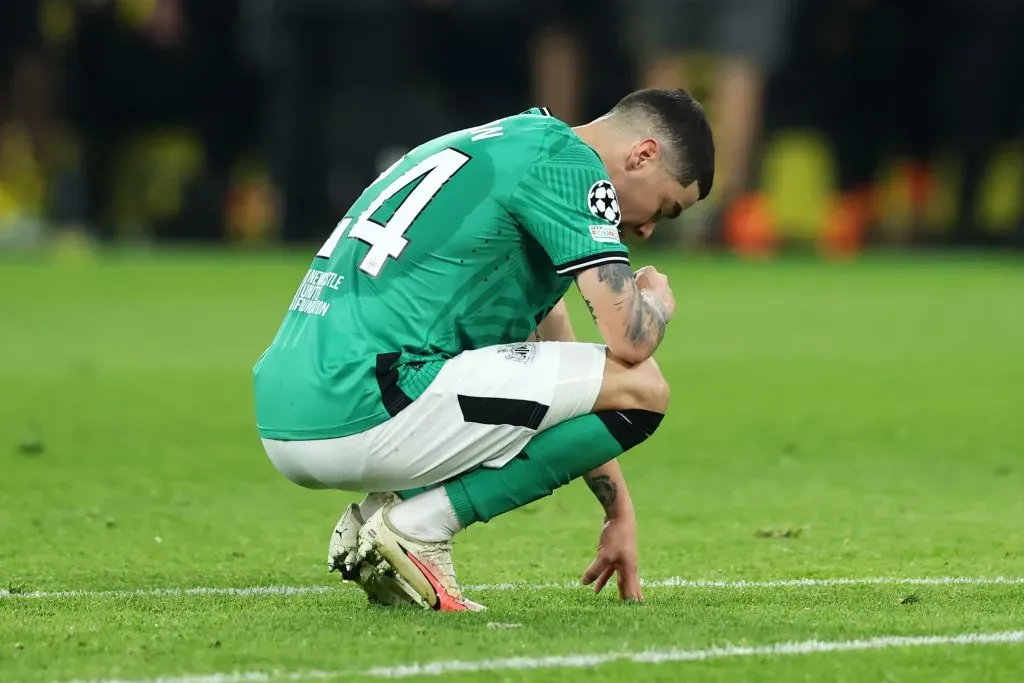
467,241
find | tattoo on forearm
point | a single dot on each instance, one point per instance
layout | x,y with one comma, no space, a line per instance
657,317
590,307
636,328
604,489
645,316
616,276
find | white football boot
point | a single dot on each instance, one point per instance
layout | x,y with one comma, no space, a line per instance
342,557
423,570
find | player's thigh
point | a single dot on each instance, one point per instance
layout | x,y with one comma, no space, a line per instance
537,385
485,406
531,386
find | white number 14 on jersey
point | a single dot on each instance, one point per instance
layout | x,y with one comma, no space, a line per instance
388,240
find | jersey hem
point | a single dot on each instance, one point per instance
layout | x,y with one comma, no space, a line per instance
320,433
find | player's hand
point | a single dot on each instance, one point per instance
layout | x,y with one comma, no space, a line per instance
616,553
649,279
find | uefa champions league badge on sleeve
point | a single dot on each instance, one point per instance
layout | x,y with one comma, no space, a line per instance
603,203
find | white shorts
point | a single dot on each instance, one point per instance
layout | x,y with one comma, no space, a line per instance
481,410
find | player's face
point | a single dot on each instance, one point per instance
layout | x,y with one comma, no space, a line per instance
648,193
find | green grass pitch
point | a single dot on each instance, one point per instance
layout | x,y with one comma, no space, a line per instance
827,422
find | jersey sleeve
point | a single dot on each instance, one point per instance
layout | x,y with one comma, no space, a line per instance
568,204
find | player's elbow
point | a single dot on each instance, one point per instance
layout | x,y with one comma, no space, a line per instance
628,352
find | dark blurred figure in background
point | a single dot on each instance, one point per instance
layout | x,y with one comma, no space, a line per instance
934,85
356,83
983,98
747,39
580,63
172,65
30,124
350,91
872,74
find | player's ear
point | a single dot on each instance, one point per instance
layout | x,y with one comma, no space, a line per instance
643,154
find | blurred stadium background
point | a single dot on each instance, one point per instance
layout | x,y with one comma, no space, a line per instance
840,123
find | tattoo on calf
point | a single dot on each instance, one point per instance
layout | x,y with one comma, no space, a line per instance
604,489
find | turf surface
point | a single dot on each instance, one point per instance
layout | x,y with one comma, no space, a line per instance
860,420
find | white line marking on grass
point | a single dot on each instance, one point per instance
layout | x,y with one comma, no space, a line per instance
671,582
169,592
680,582
576,661
805,647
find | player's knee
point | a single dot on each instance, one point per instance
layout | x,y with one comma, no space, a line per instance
633,387
648,389
659,391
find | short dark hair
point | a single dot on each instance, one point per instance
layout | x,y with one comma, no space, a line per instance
682,122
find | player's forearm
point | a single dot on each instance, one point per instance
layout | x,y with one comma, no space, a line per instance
632,320
556,326
647,321
608,485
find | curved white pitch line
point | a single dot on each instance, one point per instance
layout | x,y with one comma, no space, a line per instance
671,582
581,660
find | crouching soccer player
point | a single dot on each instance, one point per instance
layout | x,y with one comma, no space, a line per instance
402,368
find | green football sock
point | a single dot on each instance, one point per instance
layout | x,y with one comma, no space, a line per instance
552,459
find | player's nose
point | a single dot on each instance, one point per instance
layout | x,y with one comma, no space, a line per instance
644,231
